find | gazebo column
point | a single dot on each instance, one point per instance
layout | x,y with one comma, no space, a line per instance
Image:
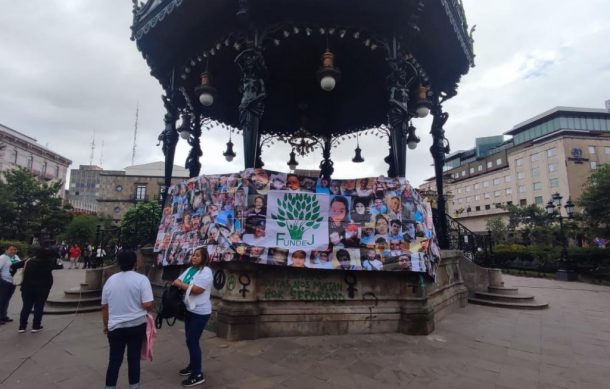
440,147
192,161
169,138
252,66
326,166
398,117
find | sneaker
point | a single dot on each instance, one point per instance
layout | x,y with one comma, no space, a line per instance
194,380
21,330
35,330
7,320
186,371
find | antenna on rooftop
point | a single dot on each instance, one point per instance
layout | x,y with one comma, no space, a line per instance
92,149
135,134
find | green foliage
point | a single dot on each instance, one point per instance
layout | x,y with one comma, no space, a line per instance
22,247
30,208
140,224
595,201
81,230
499,232
521,256
298,213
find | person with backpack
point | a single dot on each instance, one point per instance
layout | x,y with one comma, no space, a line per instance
196,281
126,298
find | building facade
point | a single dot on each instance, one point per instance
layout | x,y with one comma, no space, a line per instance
554,152
19,150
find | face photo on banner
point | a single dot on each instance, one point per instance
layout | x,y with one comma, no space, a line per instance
266,217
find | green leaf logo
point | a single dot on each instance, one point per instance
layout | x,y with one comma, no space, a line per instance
298,213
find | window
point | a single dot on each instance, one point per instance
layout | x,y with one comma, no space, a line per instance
509,203
520,175
487,206
477,197
477,208
537,185
15,156
536,172
497,193
498,205
523,202
44,169
607,150
30,162
487,195
552,167
519,162
480,168
554,183
460,190
497,181
463,173
535,157
141,192
56,171
521,188
538,200
593,165
591,149
509,191
498,161
471,170
507,179
551,152
117,210
468,188
485,184
489,164
477,186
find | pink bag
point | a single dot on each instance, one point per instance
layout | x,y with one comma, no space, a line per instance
149,339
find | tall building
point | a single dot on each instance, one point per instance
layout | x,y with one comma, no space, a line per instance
111,193
19,150
555,151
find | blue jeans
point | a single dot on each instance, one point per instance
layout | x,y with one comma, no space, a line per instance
194,325
132,337
32,297
6,292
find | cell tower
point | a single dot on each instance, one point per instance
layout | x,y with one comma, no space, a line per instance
135,135
92,149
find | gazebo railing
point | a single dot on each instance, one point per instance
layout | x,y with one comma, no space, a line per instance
477,247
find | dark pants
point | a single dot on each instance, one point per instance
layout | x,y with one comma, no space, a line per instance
87,262
193,327
6,292
132,337
35,298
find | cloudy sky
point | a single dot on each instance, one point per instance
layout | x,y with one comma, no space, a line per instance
68,70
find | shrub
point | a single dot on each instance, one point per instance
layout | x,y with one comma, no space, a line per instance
22,247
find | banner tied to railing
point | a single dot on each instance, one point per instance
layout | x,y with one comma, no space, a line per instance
284,219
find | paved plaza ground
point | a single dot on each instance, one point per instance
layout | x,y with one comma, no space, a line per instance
566,346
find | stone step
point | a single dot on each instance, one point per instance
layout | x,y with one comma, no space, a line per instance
74,302
503,297
75,293
70,310
502,290
504,304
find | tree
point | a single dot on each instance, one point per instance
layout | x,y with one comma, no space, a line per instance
499,232
595,201
81,230
529,225
139,225
30,208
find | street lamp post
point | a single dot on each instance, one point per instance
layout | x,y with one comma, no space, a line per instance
566,271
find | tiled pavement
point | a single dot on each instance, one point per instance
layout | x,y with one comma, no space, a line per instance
566,346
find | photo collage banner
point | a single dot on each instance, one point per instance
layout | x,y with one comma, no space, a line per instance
283,219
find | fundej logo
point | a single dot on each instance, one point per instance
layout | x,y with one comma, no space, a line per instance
298,212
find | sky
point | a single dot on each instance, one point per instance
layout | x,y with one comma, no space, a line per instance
70,75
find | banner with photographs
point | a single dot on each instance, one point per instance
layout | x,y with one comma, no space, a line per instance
283,219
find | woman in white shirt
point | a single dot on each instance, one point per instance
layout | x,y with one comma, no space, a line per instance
126,297
197,282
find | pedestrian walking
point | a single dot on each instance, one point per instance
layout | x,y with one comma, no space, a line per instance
126,298
7,288
74,254
87,256
100,253
196,281
36,285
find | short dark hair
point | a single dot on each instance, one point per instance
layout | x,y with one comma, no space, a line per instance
396,221
343,253
127,260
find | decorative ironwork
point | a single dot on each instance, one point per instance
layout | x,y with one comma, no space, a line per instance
192,161
169,138
440,147
476,247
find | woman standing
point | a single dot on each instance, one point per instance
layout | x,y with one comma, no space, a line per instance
126,297
6,281
36,285
197,281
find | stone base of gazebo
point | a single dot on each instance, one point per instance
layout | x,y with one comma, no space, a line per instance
263,301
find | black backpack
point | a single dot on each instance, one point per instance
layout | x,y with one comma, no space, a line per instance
172,306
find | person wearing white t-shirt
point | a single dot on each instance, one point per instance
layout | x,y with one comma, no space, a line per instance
197,282
126,298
